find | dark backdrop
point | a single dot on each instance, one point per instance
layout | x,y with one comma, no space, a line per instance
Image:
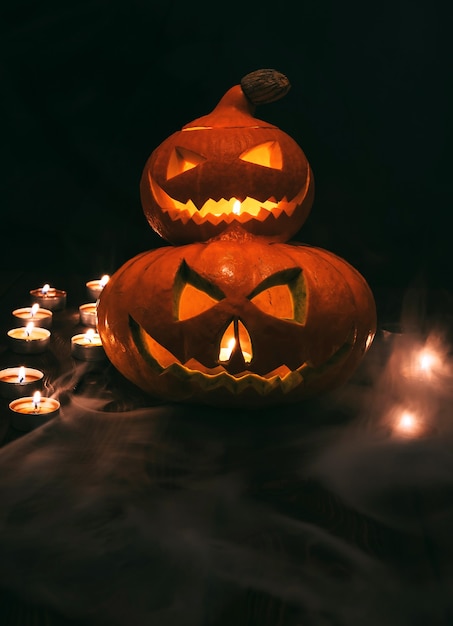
90,88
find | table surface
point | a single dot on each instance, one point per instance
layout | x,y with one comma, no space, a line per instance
125,510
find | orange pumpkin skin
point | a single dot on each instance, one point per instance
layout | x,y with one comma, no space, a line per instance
308,315
191,181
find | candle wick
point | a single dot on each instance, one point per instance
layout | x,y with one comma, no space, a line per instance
21,379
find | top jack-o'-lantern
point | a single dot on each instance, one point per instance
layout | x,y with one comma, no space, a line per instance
229,168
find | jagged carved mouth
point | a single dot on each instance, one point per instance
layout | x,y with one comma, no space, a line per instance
164,363
225,210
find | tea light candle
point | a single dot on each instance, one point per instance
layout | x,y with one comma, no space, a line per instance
33,411
19,381
94,287
28,339
40,317
49,298
88,314
87,346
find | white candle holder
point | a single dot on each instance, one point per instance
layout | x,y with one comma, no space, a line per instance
29,413
87,347
88,314
49,298
40,317
24,341
16,382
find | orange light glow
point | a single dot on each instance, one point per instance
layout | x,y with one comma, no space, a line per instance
427,361
407,424
236,332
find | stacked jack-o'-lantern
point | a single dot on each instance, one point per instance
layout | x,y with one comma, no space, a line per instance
233,313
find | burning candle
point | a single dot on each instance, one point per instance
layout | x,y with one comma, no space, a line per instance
94,287
87,346
235,339
29,339
88,314
39,316
32,411
49,298
19,381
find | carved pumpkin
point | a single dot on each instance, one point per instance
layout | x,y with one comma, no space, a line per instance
229,168
236,321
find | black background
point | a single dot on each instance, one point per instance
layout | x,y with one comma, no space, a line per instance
90,88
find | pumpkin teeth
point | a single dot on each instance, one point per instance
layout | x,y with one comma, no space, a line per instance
263,386
214,211
217,377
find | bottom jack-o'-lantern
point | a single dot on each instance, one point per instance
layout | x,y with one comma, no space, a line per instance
236,321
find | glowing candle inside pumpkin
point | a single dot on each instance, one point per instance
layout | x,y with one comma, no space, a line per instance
225,353
236,207
227,346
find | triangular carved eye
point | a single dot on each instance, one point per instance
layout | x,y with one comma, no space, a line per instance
193,293
267,154
182,160
282,295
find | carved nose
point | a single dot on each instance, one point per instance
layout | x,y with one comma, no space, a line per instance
235,352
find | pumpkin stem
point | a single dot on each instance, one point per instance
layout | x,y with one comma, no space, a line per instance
263,86
237,106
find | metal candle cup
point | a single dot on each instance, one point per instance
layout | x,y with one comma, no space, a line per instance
87,347
49,298
42,317
16,382
34,341
88,314
94,287
28,413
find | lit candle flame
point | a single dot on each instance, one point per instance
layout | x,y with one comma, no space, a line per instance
45,289
34,309
36,400
21,374
89,335
237,207
225,353
28,329
104,280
